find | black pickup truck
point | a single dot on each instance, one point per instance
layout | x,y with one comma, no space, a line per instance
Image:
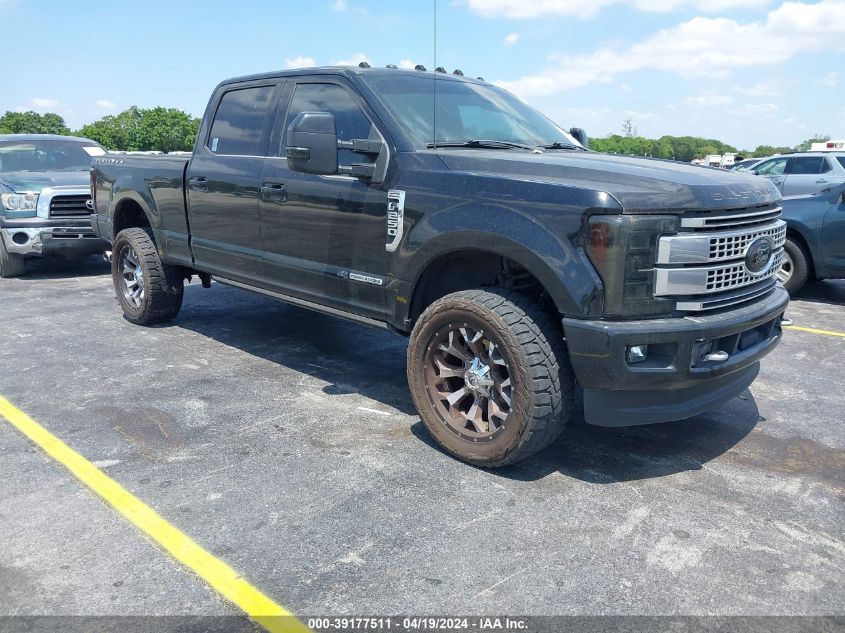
520,263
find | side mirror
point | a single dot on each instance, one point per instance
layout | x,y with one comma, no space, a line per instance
312,143
580,136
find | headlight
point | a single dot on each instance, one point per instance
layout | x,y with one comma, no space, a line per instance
623,248
19,201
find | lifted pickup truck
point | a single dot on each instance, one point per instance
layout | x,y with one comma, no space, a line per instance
443,207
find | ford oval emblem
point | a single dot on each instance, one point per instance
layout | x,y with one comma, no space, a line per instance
89,204
758,255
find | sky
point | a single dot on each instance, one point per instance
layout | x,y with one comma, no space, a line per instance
748,72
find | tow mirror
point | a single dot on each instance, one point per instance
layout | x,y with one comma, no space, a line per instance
580,136
312,143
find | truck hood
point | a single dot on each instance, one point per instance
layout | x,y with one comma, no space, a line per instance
638,184
20,181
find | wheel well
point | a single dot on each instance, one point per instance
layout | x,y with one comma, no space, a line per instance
796,237
129,215
467,270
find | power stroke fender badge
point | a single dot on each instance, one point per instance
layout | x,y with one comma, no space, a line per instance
395,219
758,255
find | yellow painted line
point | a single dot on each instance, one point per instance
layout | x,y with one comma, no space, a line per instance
219,575
813,330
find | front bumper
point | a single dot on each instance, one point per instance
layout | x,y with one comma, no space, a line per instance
34,237
676,381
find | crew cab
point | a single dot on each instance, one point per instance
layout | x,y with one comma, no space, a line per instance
444,208
45,199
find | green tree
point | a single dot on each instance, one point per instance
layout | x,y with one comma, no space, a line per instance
32,123
818,138
138,129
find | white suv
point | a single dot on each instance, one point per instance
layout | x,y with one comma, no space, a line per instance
804,173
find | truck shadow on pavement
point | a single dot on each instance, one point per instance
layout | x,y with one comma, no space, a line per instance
61,268
353,358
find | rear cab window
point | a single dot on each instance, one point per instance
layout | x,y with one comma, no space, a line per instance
240,123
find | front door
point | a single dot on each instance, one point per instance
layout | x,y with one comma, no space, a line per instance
224,182
833,233
774,170
324,236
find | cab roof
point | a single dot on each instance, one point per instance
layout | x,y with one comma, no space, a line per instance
352,71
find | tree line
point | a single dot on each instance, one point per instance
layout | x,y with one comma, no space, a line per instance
135,129
171,130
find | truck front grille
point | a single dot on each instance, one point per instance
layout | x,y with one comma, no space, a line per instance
704,267
70,206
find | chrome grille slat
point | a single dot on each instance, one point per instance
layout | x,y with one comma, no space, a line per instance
704,248
728,299
736,219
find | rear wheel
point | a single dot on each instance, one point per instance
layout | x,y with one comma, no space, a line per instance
11,264
489,376
148,290
795,268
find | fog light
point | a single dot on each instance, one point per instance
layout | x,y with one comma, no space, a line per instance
636,354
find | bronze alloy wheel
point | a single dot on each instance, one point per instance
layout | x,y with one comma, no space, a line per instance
489,375
468,381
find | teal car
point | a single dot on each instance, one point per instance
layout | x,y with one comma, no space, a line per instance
815,238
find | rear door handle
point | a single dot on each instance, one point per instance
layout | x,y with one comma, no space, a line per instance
822,180
273,192
198,183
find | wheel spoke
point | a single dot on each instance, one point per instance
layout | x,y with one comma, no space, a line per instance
457,396
472,341
446,371
474,417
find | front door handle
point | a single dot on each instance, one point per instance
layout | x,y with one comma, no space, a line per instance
273,192
823,180
198,183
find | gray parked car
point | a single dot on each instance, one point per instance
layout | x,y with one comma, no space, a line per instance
45,199
804,173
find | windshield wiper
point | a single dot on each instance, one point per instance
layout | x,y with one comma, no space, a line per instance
481,143
559,145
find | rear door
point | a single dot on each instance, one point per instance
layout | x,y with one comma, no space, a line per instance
224,181
833,232
807,175
324,236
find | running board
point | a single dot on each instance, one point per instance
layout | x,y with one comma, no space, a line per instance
302,303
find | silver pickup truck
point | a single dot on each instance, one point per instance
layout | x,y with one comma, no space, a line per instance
45,199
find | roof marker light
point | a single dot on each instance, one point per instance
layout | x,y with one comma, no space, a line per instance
393,66
419,67
480,78
458,72
440,69
363,65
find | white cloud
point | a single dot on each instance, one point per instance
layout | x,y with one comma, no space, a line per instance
701,47
623,87
511,39
522,9
300,62
406,63
340,6
831,79
105,104
356,59
41,102
762,89
708,100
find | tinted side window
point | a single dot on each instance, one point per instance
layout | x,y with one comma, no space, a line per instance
350,120
803,165
240,121
772,167
841,160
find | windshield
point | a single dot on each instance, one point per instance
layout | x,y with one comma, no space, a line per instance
465,111
47,155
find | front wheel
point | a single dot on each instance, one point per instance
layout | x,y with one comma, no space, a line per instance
489,376
148,290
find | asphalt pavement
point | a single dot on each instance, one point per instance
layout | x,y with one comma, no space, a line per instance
286,444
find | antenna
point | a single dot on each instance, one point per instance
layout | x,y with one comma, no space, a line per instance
434,78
